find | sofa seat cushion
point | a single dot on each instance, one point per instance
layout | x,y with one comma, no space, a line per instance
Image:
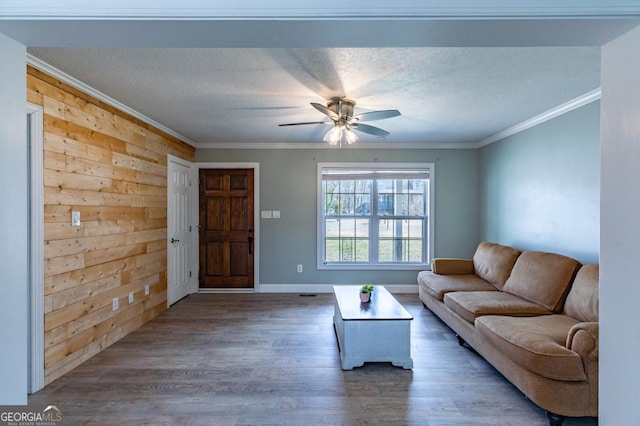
535,343
472,304
438,285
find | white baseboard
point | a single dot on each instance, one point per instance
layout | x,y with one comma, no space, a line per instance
327,288
225,290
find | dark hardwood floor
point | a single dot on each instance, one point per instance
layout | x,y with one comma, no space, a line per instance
272,359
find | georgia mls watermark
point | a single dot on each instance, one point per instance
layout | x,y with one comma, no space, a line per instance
24,416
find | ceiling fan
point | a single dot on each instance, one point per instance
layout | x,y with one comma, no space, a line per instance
340,111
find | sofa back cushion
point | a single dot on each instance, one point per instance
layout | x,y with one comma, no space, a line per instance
583,298
493,262
542,278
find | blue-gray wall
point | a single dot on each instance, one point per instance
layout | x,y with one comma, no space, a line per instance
540,189
288,183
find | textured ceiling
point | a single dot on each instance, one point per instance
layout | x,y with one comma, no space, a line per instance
232,96
226,74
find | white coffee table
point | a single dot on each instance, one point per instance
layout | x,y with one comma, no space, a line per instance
378,331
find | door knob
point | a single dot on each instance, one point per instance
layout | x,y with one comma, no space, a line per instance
174,241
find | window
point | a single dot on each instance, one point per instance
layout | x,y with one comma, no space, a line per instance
374,216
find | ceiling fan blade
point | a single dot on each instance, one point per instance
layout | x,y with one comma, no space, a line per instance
306,122
365,128
377,115
326,111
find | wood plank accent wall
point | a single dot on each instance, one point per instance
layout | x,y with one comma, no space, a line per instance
112,168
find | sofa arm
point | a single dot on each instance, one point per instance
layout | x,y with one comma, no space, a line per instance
442,266
583,339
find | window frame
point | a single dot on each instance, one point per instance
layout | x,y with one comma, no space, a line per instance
428,227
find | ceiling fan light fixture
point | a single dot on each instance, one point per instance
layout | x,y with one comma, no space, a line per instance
334,135
350,135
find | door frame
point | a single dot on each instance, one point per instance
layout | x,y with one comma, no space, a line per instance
192,287
36,247
256,218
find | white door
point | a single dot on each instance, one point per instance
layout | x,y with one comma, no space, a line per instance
179,230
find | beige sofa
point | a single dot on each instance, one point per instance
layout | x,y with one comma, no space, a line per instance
532,315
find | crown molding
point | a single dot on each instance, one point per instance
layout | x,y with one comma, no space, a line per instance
66,78
578,102
325,146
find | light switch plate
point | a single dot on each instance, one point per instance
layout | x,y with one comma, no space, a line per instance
75,218
276,214
266,214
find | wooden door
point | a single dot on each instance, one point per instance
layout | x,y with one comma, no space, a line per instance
226,228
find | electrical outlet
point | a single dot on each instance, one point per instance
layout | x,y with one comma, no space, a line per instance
146,290
130,297
299,268
115,304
